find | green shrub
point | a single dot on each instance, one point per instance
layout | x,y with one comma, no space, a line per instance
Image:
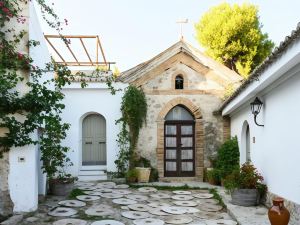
153,175
213,176
228,157
132,175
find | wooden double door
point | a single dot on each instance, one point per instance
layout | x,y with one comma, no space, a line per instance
179,141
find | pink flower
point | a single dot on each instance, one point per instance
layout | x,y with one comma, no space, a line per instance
20,56
1,4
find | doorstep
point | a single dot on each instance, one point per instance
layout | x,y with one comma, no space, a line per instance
256,215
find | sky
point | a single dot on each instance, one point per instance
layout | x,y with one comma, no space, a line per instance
133,31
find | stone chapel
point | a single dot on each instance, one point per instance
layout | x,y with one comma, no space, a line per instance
184,88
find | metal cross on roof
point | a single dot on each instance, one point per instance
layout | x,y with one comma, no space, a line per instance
181,22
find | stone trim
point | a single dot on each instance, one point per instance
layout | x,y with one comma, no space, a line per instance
184,92
199,136
226,128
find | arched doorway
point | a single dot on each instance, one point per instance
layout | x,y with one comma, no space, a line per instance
179,143
93,140
246,146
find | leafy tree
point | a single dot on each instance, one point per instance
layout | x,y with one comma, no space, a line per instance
232,35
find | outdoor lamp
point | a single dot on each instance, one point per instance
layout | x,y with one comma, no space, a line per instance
255,108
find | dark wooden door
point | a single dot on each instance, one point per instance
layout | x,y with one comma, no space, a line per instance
179,151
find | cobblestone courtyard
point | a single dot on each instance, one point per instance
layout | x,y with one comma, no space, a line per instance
108,203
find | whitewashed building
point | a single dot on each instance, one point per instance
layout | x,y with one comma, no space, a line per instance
274,147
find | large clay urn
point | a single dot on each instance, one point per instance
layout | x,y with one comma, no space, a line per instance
278,214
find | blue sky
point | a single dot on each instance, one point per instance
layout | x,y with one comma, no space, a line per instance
133,31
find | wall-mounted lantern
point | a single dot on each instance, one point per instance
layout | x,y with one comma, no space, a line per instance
255,108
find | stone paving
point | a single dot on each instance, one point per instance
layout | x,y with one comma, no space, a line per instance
106,203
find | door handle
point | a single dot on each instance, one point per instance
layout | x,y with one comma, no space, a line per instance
101,142
88,142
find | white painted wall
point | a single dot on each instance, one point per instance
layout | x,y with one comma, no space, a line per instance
25,178
276,151
95,98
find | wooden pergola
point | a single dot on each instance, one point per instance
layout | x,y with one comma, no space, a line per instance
66,39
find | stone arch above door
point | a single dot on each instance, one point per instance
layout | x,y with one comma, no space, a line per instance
199,135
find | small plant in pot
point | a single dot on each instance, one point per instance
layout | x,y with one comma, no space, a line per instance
131,176
213,176
143,167
245,185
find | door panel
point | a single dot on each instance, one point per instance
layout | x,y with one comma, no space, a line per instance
94,140
179,148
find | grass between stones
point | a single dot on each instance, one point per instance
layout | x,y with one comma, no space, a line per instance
217,197
81,215
75,192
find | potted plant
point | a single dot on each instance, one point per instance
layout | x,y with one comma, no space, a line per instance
62,185
213,176
131,176
144,169
245,186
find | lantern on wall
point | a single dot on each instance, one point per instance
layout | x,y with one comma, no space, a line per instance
255,108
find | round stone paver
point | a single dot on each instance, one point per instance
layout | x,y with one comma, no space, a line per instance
158,212
95,193
160,196
87,198
139,207
86,184
122,186
203,195
178,219
158,204
98,211
135,215
121,191
221,221
62,211
208,215
147,189
70,222
185,203
124,201
86,188
191,209
174,210
137,197
182,192
207,201
182,197
72,203
111,195
149,221
108,222
104,190
210,208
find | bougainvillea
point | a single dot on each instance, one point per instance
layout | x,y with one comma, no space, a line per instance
40,107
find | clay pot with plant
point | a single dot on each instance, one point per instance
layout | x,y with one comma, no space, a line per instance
245,186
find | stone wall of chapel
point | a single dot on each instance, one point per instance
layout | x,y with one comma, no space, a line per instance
160,90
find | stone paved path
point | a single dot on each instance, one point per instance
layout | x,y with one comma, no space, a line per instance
124,205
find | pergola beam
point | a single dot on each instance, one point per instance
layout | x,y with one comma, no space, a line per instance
55,50
87,53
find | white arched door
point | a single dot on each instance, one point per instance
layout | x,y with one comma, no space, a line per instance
94,140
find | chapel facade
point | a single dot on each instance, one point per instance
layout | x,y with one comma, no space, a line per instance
183,88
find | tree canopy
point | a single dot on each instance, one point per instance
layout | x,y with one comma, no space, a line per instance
232,35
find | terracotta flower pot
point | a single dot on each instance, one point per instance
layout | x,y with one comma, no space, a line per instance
278,214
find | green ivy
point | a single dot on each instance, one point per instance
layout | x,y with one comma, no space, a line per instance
134,112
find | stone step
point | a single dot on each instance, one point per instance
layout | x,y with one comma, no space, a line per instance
92,177
91,172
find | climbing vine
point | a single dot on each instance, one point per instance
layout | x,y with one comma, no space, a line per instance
134,112
38,103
